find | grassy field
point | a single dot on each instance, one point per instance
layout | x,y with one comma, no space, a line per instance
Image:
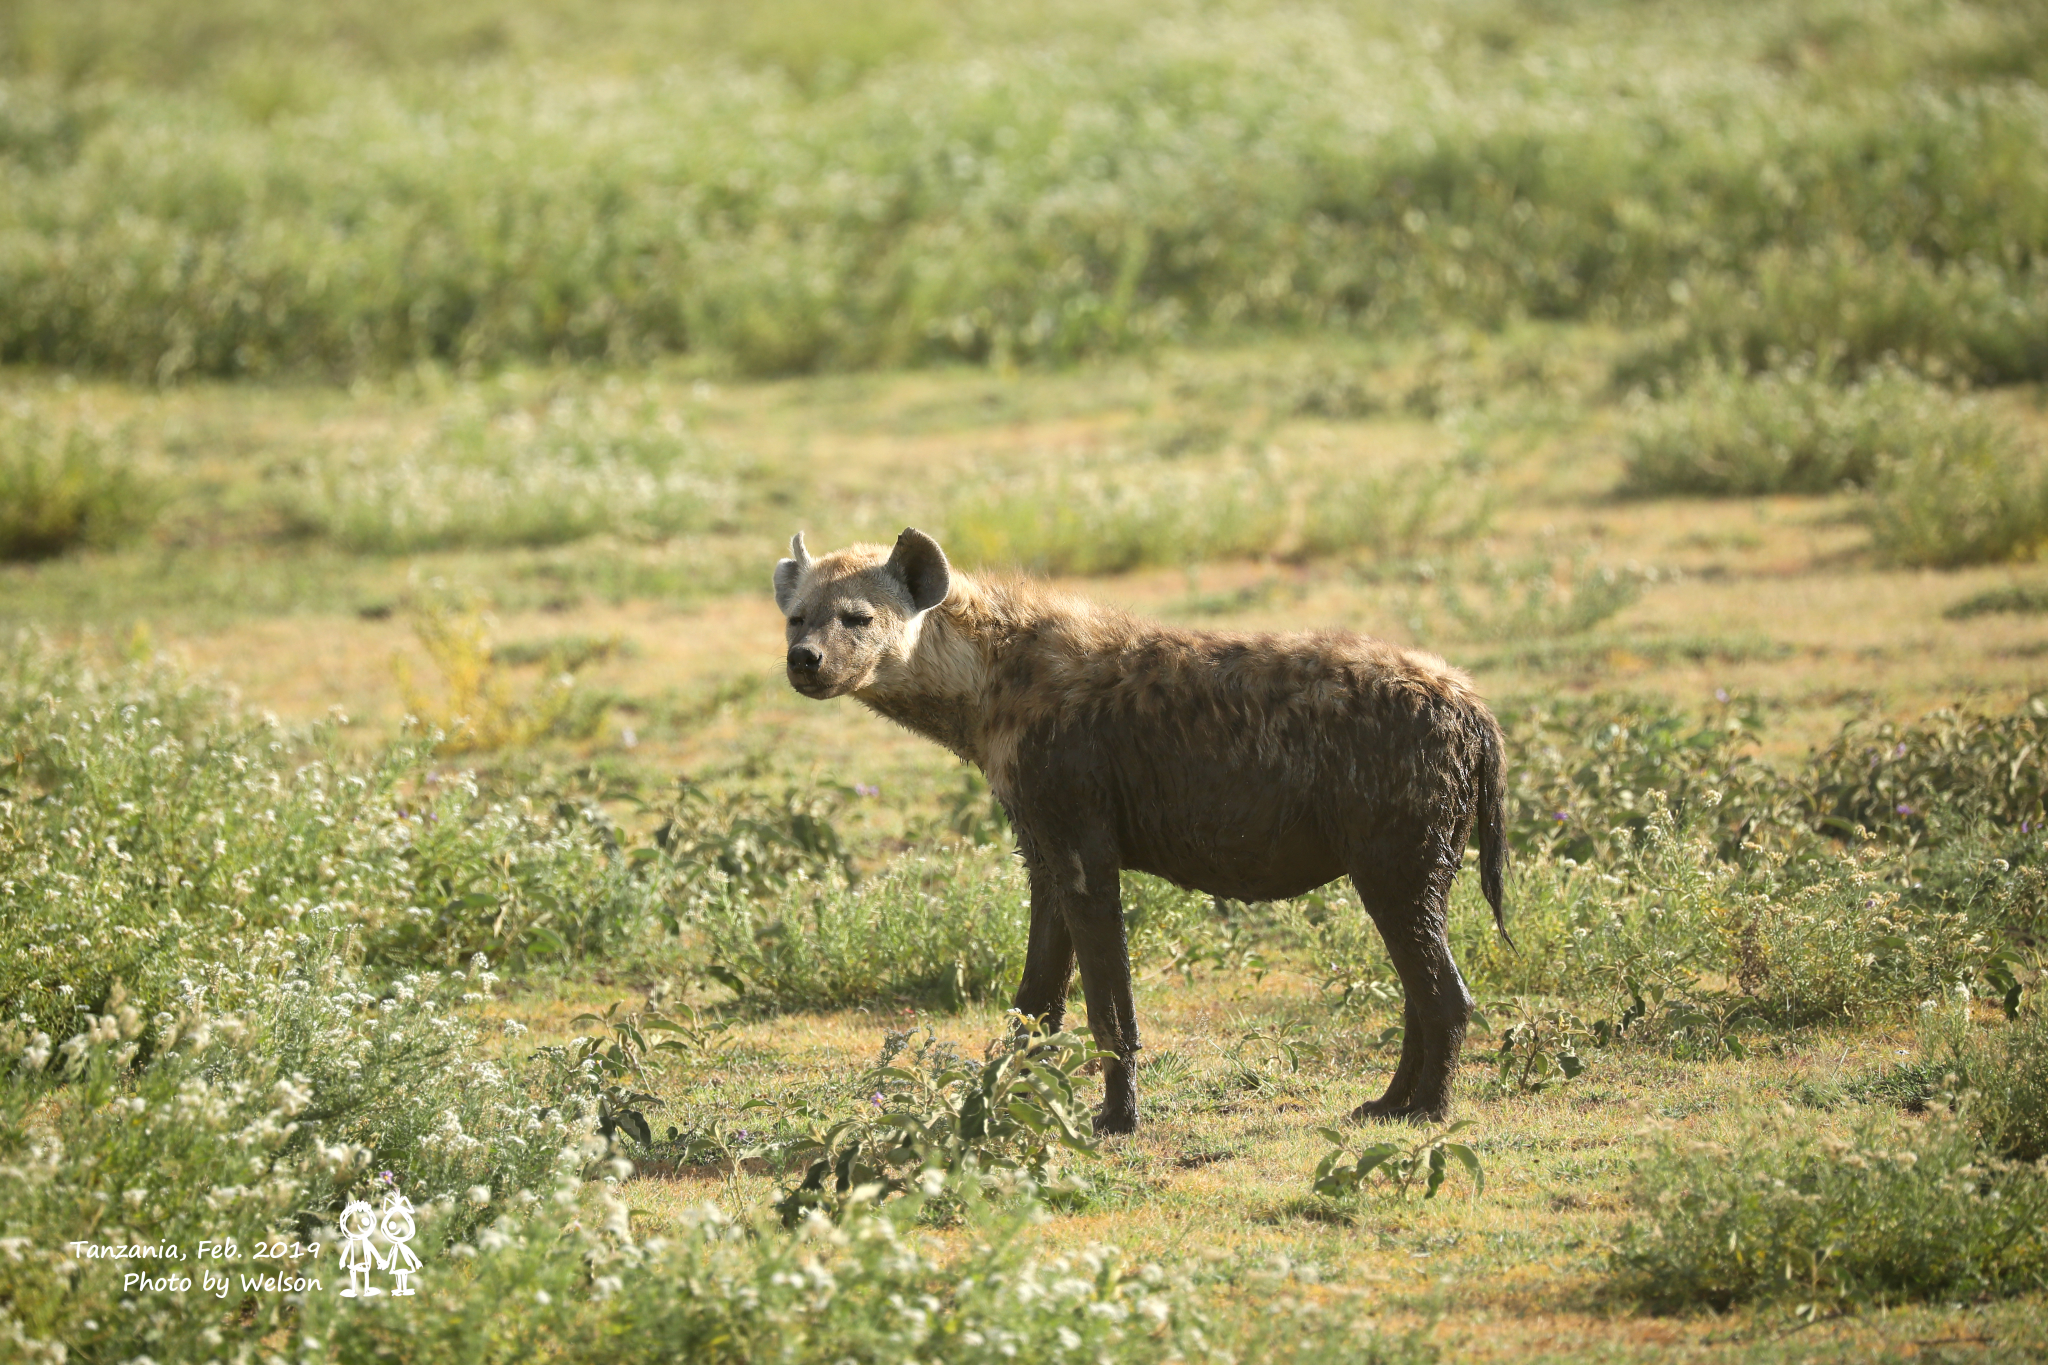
400,415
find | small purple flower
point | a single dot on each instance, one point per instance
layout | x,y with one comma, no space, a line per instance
1905,809
864,789
387,1177
877,1098
1899,752
1562,817
1720,694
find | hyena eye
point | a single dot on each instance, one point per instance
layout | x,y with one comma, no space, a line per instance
796,620
854,620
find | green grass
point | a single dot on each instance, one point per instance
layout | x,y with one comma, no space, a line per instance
218,926
1882,1217
1132,513
500,473
1037,195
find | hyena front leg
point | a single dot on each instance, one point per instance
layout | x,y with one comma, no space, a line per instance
1081,888
1048,959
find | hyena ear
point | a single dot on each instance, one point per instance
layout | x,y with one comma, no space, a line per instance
920,565
789,572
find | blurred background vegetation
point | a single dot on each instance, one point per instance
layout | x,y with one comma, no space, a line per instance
341,189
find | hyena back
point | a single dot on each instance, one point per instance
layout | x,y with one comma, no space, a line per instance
1256,767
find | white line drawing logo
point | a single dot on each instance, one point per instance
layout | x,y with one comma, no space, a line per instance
358,1257
360,1226
398,1230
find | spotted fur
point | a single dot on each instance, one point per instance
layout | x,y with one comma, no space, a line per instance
1251,766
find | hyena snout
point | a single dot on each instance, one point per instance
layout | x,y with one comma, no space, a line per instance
804,659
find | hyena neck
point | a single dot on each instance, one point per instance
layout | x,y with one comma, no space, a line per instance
936,682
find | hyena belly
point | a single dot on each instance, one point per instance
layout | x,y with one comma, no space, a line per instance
1239,820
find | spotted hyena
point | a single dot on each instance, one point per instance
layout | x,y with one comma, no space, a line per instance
1250,766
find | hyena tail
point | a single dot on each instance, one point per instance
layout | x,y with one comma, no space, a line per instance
1491,820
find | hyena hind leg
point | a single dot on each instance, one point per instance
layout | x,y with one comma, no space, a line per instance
1413,921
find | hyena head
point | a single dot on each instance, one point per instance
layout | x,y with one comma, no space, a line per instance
854,612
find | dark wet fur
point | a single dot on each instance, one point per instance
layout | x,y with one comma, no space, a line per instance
1255,767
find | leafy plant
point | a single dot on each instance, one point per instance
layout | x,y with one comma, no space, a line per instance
1914,782
614,1060
1424,1162
580,467
1267,1057
970,811
746,842
1540,1048
1114,516
934,1117
2019,598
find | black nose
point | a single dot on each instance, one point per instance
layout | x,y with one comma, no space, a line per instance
804,658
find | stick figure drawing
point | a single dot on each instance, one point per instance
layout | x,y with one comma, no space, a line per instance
398,1230
358,1257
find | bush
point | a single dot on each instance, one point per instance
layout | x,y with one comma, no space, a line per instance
2019,598
589,1289
1978,498
928,1118
1921,781
61,488
1729,433
1996,1078
1898,1213
1540,598
1856,305
483,710
1581,770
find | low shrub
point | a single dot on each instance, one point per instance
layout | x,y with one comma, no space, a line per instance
1400,1166
1728,432
1996,1078
1581,770
62,487
1899,1212
477,707
937,930
1926,780
142,818
483,480
276,1085
1543,598
587,1288
1977,498
2011,1085
932,1120
1843,302
2019,598
729,844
